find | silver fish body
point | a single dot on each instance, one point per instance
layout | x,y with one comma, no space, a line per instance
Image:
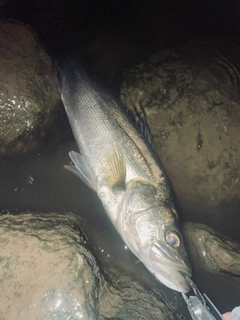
118,163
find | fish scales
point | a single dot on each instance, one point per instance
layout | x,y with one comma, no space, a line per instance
101,121
118,163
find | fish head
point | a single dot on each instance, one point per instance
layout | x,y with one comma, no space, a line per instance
149,226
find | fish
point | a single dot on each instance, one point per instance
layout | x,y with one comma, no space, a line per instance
118,161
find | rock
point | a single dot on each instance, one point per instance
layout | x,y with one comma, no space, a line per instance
191,99
48,272
28,90
213,251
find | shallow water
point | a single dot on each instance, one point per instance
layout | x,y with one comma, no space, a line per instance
38,181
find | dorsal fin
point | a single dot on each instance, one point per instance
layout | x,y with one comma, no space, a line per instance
138,116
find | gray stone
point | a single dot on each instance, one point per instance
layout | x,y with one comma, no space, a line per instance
47,271
28,90
191,99
213,251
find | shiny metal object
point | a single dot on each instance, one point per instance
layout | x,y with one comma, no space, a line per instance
199,305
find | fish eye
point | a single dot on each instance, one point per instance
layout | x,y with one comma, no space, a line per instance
173,239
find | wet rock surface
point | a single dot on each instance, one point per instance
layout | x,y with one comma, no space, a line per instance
28,90
191,99
213,251
48,272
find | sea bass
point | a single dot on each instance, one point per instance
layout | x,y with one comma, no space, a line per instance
117,161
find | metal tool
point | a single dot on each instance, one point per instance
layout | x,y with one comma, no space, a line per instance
199,305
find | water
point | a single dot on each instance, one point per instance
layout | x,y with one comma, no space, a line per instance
38,181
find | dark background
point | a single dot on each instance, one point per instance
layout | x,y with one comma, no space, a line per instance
113,35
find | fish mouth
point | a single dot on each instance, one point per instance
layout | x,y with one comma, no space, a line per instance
171,271
171,276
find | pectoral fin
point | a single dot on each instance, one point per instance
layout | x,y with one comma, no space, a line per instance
114,169
81,169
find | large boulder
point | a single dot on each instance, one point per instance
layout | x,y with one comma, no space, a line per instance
47,271
28,90
191,99
213,251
